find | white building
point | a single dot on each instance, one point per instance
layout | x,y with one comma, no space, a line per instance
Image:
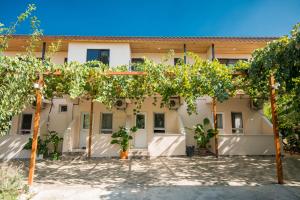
162,132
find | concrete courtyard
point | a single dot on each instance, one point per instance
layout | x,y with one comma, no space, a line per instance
166,178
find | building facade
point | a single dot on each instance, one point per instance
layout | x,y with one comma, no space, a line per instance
243,129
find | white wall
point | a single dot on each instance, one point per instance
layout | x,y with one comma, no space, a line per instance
255,126
170,143
119,52
246,145
57,58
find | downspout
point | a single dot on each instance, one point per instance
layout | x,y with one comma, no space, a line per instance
184,54
214,108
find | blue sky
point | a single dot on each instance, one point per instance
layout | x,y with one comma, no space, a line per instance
158,17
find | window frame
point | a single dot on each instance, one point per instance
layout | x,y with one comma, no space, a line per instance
223,120
163,130
99,59
227,60
60,106
106,131
179,59
242,129
21,123
82,121
145,120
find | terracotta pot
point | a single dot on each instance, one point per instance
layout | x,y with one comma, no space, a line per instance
124,155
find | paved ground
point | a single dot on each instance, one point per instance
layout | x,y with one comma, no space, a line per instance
166,178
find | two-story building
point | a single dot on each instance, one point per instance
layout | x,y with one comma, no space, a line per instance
243,129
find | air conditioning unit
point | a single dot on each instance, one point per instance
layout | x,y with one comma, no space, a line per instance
256,104
43,106
121,104
174,103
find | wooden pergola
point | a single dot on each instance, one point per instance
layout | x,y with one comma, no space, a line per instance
39,85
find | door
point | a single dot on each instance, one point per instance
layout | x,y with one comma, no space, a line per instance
140,138
84,129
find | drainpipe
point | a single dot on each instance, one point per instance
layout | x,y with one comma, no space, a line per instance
184,56
212,51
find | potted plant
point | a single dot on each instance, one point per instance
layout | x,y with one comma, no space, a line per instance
41,147
122,138
202,135
54,139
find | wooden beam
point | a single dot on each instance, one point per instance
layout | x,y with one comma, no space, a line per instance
125,73
275,129
35,131
214,108
91,129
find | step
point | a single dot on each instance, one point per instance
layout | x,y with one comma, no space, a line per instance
138,153
77,154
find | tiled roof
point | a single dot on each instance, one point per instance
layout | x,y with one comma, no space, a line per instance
149,38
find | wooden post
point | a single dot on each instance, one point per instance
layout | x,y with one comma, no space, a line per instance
214,107
275,129
36,125
91,129
35,130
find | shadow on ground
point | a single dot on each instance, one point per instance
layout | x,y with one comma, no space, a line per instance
179,176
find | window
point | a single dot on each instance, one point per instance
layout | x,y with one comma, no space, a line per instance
229,61
140,121
237,122
177,61
106,123
26,124
220,121
159,123
85,123
63,108
98,54
135,62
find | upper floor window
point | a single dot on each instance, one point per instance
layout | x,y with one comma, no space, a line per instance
135,62
98,54
63,108
237,122
178,61
229,61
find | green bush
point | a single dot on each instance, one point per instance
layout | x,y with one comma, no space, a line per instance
122,137
11,183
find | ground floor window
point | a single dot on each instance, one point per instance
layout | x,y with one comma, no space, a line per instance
220,121
237,122
85,124
106,123
159,123
140,121
26,123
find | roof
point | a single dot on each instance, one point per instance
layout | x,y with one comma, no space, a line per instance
154,44
147,38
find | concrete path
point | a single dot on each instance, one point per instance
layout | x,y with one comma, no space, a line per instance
166,178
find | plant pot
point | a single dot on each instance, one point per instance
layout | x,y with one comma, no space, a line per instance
124,155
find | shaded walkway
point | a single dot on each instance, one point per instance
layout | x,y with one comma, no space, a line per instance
113,179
